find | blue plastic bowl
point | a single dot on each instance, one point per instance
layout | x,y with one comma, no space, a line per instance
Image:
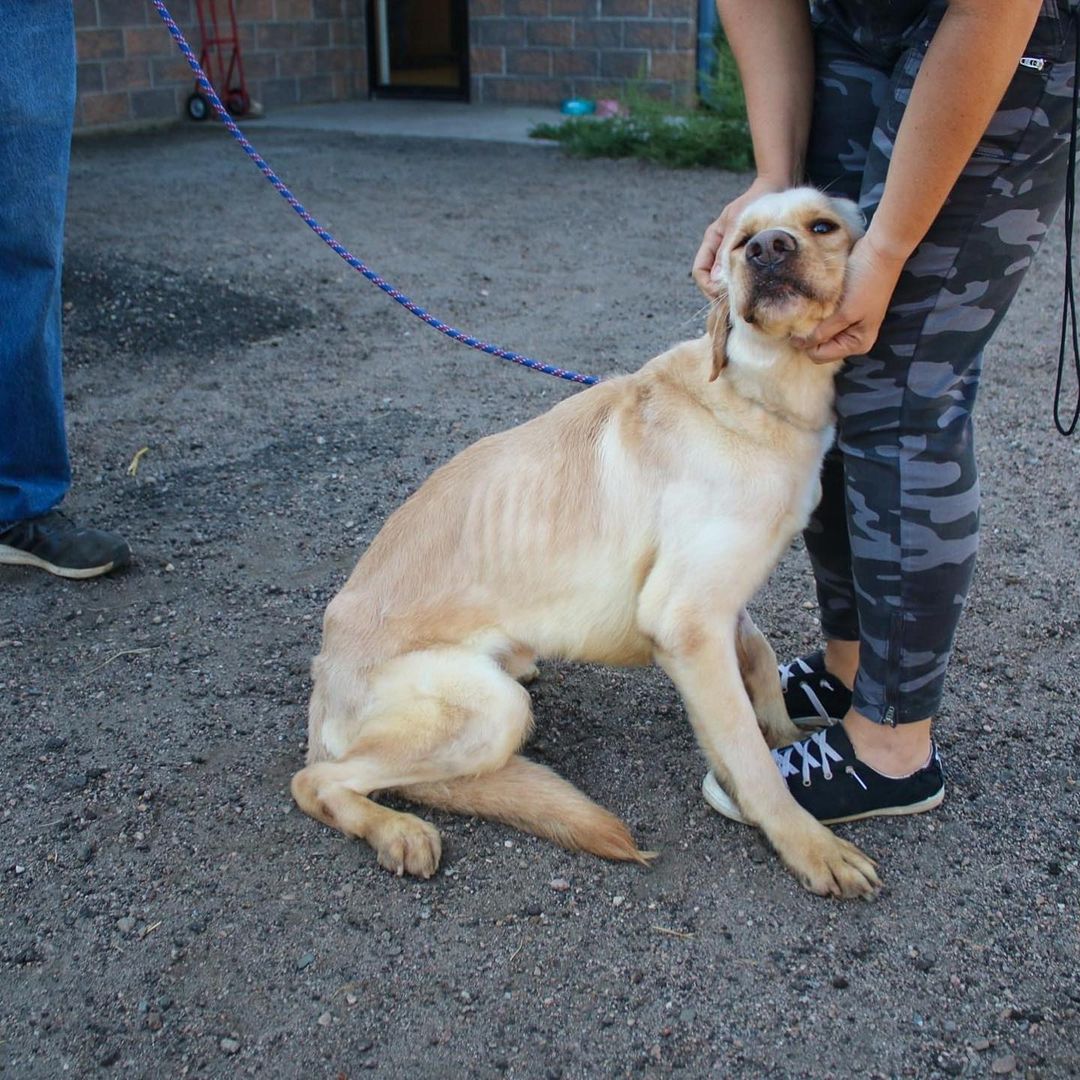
577,107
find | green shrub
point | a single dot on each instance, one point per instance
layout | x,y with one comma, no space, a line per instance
715,134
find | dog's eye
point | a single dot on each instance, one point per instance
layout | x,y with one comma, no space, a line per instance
823,226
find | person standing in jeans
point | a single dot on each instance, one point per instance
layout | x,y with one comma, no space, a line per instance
37,107
949,122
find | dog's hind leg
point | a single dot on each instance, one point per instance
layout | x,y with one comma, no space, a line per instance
757,666
431,716
403,843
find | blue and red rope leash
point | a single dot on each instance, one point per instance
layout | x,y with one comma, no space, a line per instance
395,294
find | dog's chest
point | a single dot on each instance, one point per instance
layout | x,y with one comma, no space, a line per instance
742,510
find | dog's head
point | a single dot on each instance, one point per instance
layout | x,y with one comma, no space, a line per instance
783,262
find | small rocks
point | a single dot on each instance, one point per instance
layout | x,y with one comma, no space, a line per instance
30,954
75,781
1015,1012
237,457
1003,1065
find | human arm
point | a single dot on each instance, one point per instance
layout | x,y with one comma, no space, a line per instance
775,58
968,66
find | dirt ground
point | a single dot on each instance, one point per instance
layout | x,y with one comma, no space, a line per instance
167,911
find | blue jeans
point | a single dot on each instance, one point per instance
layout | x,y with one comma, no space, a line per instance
37,108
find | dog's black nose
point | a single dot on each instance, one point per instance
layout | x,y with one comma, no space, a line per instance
770,247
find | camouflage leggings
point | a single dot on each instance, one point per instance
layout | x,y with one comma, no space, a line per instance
893,541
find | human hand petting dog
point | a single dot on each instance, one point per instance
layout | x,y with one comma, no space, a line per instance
705,270
873,272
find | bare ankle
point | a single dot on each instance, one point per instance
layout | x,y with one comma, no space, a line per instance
891,751
842,660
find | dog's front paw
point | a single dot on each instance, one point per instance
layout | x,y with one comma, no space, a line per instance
829,866
408,845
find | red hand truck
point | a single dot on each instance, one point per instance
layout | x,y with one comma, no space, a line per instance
219,57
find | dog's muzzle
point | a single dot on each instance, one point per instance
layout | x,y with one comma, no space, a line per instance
772,258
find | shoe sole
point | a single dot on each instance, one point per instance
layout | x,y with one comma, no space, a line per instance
10,556
722,803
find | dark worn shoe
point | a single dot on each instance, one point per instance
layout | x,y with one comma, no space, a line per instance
53,542
826,778
811,692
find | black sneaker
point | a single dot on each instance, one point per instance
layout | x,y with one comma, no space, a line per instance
811,692
55,543
825,777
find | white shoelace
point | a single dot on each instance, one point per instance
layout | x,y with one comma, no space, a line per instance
798,667
804,748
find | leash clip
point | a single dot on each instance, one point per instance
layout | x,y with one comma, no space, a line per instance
1036,63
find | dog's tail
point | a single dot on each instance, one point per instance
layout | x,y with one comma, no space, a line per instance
536,800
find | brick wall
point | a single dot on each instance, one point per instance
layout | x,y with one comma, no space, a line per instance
541,51
129,70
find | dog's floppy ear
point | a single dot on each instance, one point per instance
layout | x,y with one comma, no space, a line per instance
717,327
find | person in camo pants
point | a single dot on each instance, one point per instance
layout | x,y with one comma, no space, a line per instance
948,122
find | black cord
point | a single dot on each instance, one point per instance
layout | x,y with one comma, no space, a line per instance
1068,311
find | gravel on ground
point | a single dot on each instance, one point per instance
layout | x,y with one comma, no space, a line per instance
165,908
